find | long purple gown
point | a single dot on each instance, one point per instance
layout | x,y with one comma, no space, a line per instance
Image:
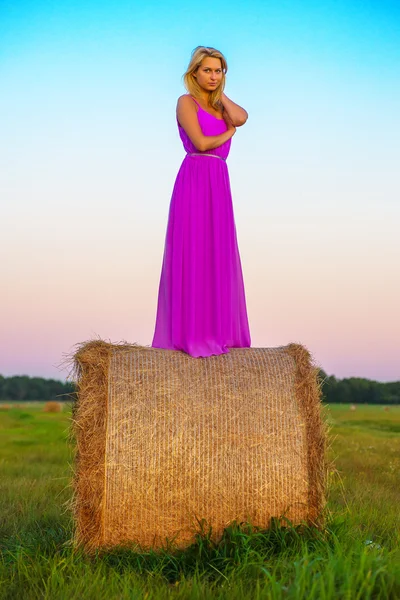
201,299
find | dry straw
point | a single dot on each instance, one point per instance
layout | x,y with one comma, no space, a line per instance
53,406
165,440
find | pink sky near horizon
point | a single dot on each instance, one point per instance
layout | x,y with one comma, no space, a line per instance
339,300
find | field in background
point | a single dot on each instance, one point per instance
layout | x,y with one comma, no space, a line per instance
357,555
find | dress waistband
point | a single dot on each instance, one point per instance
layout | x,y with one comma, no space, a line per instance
204,154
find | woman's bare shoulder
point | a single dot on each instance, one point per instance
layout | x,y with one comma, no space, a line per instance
185,103
184,99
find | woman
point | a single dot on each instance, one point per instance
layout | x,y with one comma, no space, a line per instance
201,300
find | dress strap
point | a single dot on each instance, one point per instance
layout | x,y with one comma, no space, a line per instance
195,100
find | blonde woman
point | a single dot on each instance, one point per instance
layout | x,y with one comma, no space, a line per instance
201,299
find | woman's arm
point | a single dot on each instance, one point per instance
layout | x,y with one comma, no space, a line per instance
237,114
187,117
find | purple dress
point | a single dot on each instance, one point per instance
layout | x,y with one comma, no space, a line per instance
201,300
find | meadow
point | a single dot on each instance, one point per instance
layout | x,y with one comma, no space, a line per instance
355,556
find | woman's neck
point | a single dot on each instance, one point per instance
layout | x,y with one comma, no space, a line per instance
205,98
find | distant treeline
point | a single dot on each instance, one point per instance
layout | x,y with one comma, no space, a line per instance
353,390
356,390
25,388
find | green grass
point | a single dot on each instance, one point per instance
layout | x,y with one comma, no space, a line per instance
356,556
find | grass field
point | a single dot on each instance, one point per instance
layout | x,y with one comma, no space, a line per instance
356,556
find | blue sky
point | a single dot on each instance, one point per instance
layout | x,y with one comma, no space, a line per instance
90,151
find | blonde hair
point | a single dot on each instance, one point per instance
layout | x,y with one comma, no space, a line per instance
190,82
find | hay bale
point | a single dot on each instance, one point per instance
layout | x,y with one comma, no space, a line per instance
53,406
165,440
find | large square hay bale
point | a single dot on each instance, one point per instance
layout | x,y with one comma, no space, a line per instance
165,440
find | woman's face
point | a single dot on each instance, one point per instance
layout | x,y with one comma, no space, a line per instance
209,73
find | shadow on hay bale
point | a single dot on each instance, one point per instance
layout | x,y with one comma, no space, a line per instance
165,441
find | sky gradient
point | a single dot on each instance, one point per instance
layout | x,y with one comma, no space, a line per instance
90,151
